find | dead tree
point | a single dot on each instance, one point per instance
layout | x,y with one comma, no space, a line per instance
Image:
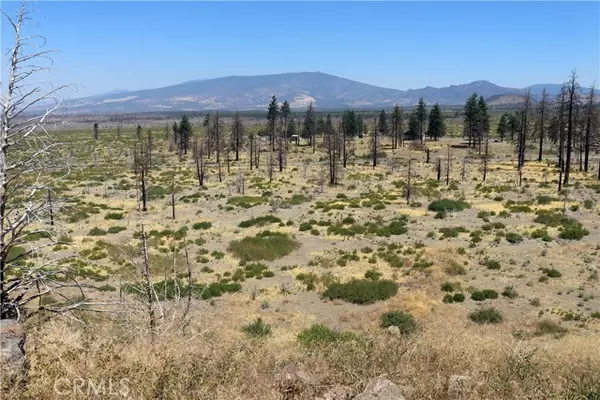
409,179
140,169
572,94
251,148
374,144
147,281
199,160
237,135
485,157
218,142
26,151
523,132
173,200
448,165
588,128
543,105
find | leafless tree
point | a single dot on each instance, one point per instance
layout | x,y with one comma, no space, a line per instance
541,123
571,105
26,149
590,118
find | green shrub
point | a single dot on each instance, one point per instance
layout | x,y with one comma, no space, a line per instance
403,320
486,316
510,292
485,294
257,329
451,232
373,274
448,287
97,232
492,264
573,232
116,229
259,221
266,245
458,297
544,199
202,225
513,238
305,226
446,205
361,291
318,334
440,215
117,216
247,201
541,234
552,272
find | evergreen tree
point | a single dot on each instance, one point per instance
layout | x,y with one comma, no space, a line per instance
272,113
175,129
382,125
309,127
436,127
482,121
138,132
470,119
503,127
421,113
185,133
413,126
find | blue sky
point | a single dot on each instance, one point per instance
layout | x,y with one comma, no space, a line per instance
136,45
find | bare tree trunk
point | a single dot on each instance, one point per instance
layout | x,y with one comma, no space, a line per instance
570,123
149,288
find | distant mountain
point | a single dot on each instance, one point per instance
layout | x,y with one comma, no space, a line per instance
253,93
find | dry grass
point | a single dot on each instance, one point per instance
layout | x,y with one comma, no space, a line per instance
210,365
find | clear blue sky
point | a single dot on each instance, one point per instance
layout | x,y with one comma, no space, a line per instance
136,45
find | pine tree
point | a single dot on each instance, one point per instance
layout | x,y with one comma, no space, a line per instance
502,128
309,127
185,133
482,124
413,126
382,125
470,119
436,127
272,114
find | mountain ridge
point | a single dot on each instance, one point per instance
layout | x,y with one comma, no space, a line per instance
252,92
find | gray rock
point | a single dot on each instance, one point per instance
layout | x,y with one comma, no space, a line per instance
294,380
394,330
459,386
338,393
12,339
381,389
